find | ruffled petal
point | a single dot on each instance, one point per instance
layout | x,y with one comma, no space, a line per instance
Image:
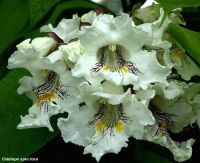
66,30
139,114
109,30
51,94
106,144
72,51
171,101
181,151
155,32
75,128
150,71
37,118
35,56
184,65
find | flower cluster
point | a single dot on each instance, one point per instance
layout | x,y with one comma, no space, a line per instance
115,78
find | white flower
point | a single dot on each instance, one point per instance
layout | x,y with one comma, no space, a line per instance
172,113
156,31
51,95
36,56
147,14
51,87
89,17
108,119
181,151
72,51
192,94
171,90
66,30
184,65
116,54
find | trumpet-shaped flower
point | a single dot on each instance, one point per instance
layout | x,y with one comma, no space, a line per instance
51,95
108,119
114,57
51,86
172,113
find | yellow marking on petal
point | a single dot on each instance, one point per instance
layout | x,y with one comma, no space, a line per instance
119,126
116,68
53,95
106,68
100,126
124,69
45,72
103,101
157,100
177,53
46,96
38,103
112,47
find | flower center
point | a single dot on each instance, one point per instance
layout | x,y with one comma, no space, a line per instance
109,118
163,122
49,90
112,58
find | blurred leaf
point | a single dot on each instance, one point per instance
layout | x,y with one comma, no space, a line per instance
13,142
189,40
38,9
14,18
169,5
70,5
145,155
192,17
116,6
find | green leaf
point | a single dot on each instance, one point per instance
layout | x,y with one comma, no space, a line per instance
13,142
189,40
169,5
39,8
14,18
71,5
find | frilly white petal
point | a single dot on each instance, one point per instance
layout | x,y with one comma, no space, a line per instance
109,30
33,57
146,62
170,90
67,29
83,67
89,17
71,51
147,14
139,114
37,118
155,32
106,144
26,86
184,65
114,94
181,151
75,128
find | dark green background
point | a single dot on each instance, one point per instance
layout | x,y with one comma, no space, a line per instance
21,19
